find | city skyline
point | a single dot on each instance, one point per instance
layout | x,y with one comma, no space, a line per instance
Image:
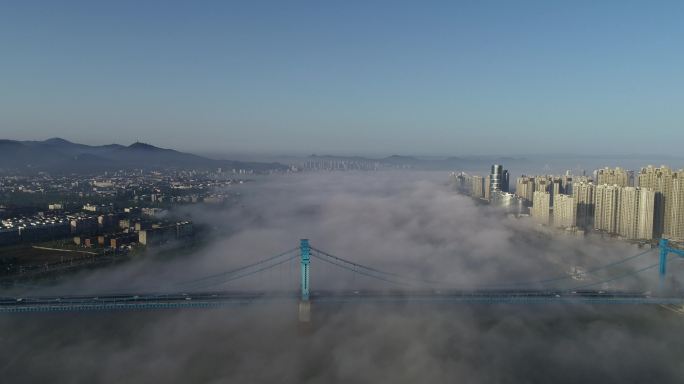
367,78
643,205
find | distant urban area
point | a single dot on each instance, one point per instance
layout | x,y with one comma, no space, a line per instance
51,223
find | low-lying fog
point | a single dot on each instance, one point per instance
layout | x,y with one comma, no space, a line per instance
402,222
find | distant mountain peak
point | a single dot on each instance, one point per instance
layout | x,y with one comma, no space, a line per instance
57,140
59,155
143,146
400,158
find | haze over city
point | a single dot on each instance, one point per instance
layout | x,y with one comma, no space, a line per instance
341,192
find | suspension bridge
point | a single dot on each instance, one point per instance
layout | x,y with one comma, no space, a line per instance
203,292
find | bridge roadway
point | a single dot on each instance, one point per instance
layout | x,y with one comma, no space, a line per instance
148,301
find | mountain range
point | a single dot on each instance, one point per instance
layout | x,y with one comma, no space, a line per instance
59,155
422,163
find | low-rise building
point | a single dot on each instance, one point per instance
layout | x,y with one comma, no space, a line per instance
161,234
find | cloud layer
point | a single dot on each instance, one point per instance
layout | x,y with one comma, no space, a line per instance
408,223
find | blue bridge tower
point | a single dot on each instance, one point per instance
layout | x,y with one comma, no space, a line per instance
665,250
305,261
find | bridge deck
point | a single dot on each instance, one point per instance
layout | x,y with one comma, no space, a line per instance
147,301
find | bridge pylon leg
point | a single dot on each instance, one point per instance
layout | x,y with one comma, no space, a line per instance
662,270
305,261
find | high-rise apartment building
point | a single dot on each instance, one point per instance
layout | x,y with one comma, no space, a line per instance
542,183
477,187
652,177
541,207
524,188
675,215
646,215
556,188
636,211
462,182
582,179
566,183
605,211
669,200
627,212
583,193
660,180
617,176
564,211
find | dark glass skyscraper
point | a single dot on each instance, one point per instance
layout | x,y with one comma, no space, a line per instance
498,179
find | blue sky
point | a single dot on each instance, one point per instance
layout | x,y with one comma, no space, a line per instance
343,77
